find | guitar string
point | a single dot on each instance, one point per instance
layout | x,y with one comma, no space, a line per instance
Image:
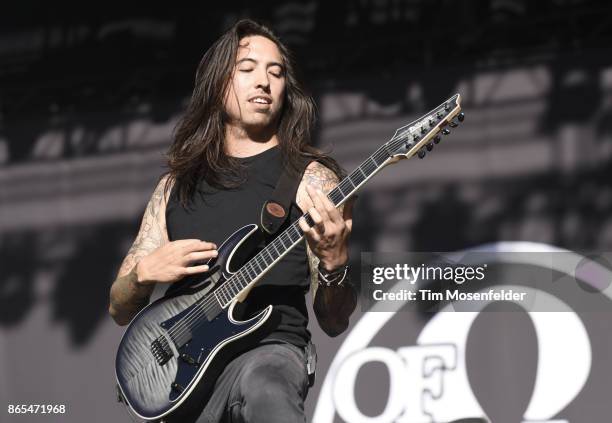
279,244
209,302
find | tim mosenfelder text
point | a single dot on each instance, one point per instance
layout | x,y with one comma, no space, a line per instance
457,274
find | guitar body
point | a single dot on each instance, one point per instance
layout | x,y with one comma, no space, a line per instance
185,380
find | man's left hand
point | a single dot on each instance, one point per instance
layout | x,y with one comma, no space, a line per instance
328,238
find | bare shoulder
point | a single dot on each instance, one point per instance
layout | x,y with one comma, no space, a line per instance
317,176
320,176
153,232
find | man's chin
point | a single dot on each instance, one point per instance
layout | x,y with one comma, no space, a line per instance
259,123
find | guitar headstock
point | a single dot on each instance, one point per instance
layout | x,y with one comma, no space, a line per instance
420,135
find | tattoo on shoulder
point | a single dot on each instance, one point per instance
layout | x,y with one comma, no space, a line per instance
152,233
320,176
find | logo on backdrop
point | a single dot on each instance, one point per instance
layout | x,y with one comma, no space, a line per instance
428,381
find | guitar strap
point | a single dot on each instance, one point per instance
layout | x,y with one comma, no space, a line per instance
273,214
276,210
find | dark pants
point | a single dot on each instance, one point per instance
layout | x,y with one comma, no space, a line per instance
271,387
266,384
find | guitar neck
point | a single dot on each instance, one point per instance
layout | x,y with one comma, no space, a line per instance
290,237
406,142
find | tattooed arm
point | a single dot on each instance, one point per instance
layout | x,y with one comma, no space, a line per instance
327,245
127,296
154,258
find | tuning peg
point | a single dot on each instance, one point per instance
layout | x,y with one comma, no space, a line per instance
429,146
446,131
421,153
437,139
461,116
453,124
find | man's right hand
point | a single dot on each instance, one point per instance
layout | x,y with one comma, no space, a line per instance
174,260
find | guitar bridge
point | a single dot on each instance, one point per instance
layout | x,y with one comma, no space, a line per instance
161,350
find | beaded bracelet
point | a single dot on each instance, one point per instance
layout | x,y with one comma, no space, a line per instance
337,277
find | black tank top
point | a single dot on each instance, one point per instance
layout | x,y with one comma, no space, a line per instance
214,214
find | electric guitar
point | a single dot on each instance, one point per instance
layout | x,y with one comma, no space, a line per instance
175,348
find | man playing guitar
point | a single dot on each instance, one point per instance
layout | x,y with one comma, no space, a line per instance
248,121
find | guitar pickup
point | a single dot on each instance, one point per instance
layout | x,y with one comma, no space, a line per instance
161,350
189,360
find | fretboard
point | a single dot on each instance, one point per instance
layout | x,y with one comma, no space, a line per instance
291,236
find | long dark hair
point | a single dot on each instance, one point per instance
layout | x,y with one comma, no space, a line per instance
198,151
